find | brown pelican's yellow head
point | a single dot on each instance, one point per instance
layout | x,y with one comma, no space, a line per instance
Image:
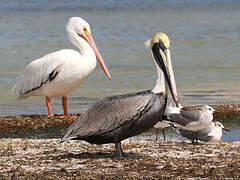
161,37
160,49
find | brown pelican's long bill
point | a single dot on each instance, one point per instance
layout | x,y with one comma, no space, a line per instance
163,59
88,37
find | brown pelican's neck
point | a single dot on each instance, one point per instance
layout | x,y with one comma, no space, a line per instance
161,84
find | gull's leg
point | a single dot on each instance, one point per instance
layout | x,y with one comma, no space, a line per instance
157,131
163,132
193,137
196,138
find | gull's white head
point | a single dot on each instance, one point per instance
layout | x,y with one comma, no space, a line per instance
208,109
217,124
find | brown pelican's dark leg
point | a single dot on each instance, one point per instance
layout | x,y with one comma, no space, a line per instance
157,131
163,132
119,151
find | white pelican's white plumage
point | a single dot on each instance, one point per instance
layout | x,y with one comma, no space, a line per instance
61,72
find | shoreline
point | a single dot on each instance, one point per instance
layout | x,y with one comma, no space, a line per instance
27,125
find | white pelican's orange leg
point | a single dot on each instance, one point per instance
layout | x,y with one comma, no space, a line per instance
48,101
64,105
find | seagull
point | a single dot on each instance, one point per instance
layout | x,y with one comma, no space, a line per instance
61,72
170,109
213,132
193,120
119,117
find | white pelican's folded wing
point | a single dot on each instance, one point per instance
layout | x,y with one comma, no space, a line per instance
35,75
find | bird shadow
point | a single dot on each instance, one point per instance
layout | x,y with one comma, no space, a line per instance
189,143
98,155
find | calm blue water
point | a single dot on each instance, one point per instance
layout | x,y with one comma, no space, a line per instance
204,36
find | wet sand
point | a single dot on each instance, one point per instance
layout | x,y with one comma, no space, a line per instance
33,125
25,152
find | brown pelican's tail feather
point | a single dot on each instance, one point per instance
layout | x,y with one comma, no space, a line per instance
65,138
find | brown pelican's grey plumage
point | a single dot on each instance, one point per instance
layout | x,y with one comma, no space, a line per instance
116,118
133,113
213,132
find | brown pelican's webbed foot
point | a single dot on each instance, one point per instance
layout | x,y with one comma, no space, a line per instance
119,151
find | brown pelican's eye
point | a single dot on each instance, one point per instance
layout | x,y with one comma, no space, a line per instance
162,46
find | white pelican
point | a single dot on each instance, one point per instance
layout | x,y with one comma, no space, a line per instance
61,72
116,118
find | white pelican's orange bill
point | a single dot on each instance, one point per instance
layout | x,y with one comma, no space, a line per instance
89,39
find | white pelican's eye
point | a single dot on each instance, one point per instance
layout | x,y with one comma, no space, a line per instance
85,30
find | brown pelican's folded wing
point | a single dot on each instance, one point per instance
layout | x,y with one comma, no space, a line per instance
110,113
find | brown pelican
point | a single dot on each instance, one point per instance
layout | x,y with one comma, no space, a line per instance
61,72
116,118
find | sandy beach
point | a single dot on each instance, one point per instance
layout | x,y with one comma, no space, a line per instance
47,159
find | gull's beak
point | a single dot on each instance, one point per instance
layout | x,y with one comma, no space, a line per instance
225,129
88,37
163,59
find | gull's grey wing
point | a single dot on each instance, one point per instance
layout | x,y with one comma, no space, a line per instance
186,133
110,113
201,134
185,117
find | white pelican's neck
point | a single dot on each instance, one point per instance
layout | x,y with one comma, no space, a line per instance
161,84
84,47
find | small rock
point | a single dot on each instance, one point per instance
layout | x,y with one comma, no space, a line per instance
159,167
